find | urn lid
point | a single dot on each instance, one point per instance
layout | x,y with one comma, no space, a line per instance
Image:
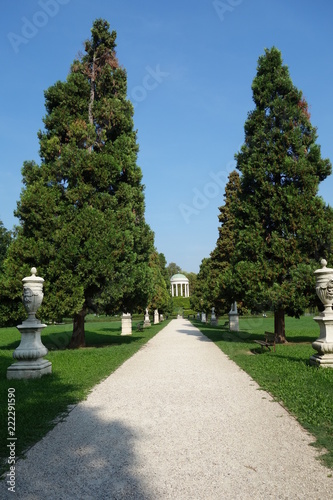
33,277
324,269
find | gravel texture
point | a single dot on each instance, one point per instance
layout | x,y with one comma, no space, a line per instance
178,420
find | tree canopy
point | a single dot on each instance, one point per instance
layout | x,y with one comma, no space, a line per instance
282,227
82,209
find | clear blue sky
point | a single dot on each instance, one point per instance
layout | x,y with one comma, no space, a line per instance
190,65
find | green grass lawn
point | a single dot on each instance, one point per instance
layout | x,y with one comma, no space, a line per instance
306,391
74,373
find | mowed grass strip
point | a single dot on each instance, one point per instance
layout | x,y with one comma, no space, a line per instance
305,391
74,373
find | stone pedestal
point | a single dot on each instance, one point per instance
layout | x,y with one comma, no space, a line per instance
213,318
233,318
324,344
203,317
156,317
30,352
146,322
161,318
126,324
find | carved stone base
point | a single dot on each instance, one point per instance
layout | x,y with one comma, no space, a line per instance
29,369
323,360
323,345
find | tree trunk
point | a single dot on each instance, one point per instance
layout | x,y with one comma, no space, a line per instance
78,335
279,326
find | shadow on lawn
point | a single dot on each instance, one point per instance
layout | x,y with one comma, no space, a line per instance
216,333
11,346
60,341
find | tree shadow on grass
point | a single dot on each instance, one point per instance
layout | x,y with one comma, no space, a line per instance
11,346
60,340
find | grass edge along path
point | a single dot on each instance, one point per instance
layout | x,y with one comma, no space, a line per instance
41,403
305,391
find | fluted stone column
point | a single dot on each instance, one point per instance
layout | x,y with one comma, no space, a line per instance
126,324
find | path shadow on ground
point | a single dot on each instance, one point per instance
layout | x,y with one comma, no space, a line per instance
200,336
90,457
215,334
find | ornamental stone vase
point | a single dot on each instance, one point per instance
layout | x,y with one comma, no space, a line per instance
324,344
29,354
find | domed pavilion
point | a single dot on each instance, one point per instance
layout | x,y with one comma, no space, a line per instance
180,285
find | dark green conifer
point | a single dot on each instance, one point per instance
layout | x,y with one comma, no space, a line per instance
283,228
82,209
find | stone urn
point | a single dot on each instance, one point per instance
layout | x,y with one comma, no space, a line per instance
29,354
324,344
32,294
324,286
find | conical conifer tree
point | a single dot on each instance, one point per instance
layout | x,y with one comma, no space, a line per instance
283,228
223,252
82,209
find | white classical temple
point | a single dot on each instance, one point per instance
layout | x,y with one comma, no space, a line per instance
180,286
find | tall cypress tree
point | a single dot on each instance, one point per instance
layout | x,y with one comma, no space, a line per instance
82,209
283,227
225,245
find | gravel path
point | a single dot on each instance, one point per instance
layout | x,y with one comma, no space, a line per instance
178,421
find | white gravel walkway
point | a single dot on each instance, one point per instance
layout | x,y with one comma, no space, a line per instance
178,420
